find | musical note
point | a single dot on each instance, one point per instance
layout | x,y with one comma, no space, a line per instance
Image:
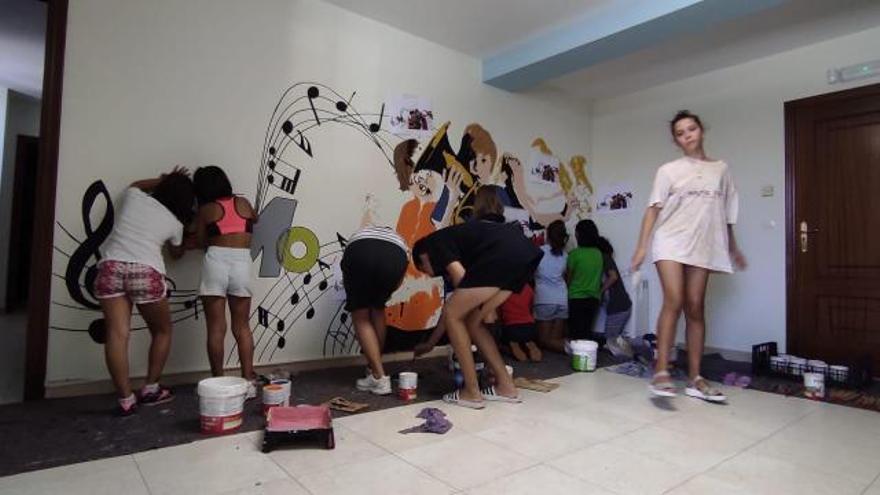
294,299
312,94
342,106
281,342
303,143
272,150
343,317
263,316
374,128
98,331
279,325
88,249
288,184
341,240
322,265
307,279
310,313
287,127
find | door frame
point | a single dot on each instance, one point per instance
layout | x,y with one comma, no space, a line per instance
791,229
37,344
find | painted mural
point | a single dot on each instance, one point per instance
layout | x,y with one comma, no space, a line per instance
436,181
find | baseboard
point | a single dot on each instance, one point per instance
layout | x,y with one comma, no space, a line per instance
730,355
59,390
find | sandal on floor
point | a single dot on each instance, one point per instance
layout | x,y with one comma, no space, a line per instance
491,395
664,388
455,398
701,389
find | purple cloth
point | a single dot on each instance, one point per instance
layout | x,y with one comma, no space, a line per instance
435,422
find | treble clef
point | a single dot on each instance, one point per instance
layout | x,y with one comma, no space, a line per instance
79,272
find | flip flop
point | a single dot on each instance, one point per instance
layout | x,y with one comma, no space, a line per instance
491,395
455,398
701,389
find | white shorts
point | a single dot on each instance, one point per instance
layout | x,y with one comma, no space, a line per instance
226,271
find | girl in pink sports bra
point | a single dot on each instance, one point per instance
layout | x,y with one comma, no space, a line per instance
223,228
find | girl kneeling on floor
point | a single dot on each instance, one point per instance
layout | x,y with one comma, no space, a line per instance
487,260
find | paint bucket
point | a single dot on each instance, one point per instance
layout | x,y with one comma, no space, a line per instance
276,393
583,355
797,365
407,384
814,385
839,373
817,366
779,364
221,402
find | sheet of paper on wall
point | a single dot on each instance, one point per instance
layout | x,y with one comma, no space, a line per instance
337,291
410,116
614,199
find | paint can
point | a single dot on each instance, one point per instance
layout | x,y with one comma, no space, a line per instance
814,385
407,384
221,403
583,355
276,393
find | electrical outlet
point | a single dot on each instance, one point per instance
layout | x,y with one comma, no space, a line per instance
767,191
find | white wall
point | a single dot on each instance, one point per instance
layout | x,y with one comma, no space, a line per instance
743,107
151,84
22,118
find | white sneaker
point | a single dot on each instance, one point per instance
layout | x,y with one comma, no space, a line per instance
251,390
619,346
378,386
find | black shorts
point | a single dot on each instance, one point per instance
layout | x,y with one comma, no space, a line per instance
520,333
372,270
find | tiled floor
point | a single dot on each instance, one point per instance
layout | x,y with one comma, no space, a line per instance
597,434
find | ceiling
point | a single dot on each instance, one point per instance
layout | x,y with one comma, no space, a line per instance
22,45
602,48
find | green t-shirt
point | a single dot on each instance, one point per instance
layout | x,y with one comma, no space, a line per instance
585,272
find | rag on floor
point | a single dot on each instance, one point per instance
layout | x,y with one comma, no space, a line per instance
435,422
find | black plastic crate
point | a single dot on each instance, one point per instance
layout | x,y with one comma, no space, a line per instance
859,375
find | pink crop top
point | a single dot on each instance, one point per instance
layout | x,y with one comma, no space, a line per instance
231,222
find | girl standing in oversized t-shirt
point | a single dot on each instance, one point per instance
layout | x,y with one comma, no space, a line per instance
693,206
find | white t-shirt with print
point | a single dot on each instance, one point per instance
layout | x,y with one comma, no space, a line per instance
698,200
140,230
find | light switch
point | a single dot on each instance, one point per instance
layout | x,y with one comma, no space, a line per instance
767,191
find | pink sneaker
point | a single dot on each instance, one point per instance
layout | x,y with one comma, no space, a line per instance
160,396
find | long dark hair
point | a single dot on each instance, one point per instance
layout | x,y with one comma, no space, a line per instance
211,184
605,246
175,191
586,233
557,237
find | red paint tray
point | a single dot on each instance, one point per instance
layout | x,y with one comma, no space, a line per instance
286,425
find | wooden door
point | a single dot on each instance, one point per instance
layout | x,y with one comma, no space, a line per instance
833,214
21,229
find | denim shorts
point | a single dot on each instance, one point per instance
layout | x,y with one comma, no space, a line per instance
547,312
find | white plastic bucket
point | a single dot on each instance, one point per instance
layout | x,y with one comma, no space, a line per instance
407,384
276,393
814,385
583,355
221,402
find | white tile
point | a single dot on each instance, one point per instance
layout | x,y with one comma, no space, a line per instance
466,461
350,448
536,404
475,421
537,438
642,407
599,425
539,479
703,485
208,466
762,474
855,457
383,427
582,388
686,450
621,471
276,487
110,476
387,475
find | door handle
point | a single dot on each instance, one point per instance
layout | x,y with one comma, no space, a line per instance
805,236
